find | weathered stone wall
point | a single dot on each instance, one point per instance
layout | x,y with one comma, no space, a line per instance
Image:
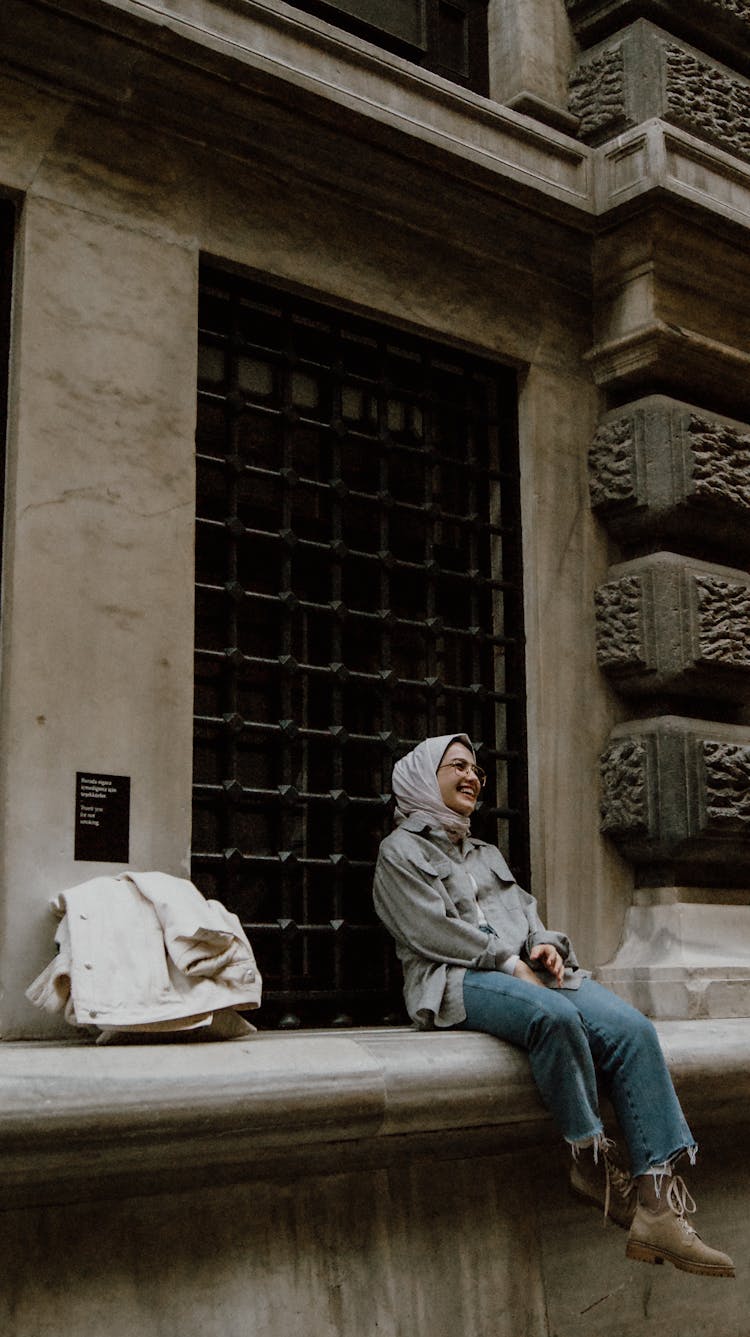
115,216
329,1190
504,1246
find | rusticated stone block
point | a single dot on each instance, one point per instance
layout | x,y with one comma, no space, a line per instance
707,101
676,795
612,463
648,73
597,92
626,768
620,631
722,26
669,624
661,469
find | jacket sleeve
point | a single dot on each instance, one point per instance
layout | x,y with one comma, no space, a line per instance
538,934
412,903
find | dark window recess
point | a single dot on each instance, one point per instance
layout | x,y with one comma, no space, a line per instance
358,588
446,36
7,234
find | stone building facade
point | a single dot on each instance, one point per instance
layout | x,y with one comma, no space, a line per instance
369,368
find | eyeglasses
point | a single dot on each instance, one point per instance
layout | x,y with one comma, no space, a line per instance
466,768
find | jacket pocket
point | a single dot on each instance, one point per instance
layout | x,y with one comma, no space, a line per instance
437,867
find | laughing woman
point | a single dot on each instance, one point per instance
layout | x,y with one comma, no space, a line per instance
476,955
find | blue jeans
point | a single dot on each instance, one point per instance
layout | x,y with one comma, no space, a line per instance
570,1036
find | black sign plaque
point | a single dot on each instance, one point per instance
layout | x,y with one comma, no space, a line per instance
102,832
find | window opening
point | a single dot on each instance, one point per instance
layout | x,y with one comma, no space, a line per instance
446,36
358,586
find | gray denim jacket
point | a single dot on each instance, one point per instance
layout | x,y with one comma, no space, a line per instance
424,895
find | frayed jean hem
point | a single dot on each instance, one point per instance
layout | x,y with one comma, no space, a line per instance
666,1169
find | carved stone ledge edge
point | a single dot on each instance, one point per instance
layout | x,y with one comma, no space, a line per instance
203,1128
656,352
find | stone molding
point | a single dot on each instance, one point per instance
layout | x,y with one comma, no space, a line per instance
659,156
665,623
646,73
656,352
163,64
155,1117
676,793
152,63
659,466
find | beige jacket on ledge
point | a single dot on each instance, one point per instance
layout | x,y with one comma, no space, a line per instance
146,951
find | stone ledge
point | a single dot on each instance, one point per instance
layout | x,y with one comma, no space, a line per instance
78,1121
655,156
257,77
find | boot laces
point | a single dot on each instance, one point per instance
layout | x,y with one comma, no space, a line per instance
680,1200
616,1178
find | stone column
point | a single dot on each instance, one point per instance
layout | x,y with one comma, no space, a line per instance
531,50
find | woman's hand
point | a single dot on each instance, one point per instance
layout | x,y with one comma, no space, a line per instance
550,959
525,973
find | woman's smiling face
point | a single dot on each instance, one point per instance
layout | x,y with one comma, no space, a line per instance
458,792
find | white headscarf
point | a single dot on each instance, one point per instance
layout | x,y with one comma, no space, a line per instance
415,783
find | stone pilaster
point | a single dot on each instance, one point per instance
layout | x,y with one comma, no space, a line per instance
676,799
660,82
676,790
531,50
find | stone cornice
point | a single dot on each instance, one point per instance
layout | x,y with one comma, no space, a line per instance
275,68
657,156
77,1120
252,78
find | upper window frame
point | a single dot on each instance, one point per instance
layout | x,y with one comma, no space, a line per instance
425,52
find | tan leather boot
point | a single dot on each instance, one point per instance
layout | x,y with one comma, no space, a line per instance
605,1183
667,1236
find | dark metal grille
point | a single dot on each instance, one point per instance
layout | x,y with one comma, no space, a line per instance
358,587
